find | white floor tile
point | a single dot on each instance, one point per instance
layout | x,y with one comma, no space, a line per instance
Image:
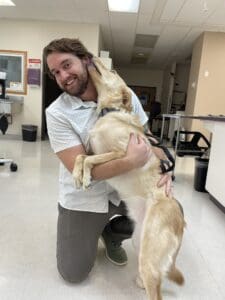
28,213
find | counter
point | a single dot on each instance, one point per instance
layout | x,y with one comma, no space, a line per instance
215,183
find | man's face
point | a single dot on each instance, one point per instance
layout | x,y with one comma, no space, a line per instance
69,71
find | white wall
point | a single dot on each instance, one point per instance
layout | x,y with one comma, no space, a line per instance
33,36
141,77
206,88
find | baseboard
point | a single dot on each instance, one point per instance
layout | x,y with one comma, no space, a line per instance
11,137
217,203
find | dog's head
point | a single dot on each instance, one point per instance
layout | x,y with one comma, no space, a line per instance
112,90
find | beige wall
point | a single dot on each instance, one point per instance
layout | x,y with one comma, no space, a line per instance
32,36
140,77
206,90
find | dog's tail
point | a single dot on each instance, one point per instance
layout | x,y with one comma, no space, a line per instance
176,276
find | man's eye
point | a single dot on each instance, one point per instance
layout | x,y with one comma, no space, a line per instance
66,66
55,73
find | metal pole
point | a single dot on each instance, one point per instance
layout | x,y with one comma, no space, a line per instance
162,129
177,140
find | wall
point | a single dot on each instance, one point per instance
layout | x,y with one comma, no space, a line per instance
141,77
33,36
206,91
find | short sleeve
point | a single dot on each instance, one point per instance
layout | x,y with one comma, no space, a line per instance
138,109
60,132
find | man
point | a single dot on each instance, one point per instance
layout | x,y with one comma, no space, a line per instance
85,216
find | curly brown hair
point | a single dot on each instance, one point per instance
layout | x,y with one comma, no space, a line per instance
65,45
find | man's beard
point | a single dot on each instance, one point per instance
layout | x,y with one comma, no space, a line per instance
81,84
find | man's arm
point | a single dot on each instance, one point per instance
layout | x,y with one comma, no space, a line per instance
136,156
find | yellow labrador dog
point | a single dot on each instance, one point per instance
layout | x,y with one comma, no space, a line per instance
158,218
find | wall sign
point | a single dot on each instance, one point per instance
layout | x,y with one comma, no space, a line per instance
34,72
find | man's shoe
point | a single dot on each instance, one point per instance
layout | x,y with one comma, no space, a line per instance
114,252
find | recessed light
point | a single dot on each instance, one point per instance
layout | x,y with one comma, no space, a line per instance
6,3
131,6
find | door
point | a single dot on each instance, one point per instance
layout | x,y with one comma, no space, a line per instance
50,92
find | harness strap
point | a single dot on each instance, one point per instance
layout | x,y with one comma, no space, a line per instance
165,165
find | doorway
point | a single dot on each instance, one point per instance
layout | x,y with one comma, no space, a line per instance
50,92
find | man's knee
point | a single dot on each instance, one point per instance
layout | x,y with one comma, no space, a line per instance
74,273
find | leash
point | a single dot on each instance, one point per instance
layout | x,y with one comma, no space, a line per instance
165,165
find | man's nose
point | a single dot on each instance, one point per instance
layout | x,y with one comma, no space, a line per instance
63,75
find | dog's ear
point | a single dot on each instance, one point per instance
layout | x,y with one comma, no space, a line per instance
127,99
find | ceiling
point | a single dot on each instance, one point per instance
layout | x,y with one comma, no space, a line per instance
161,32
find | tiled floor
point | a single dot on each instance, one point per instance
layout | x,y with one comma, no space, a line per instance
28,213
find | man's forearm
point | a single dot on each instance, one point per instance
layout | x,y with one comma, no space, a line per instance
111,168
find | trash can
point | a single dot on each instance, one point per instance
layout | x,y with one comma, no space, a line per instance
201,168
29,133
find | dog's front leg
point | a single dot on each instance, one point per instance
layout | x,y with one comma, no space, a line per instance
91,161
78,170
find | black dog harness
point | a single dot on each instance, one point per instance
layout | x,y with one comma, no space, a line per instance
165,165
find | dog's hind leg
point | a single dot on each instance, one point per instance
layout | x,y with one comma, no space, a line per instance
174,274
152,284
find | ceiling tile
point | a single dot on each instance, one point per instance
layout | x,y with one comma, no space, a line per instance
196,12
123,21
147,7
145,27
218,16
171,36
171,9
90,5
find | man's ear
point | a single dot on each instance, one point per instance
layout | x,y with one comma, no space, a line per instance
86,60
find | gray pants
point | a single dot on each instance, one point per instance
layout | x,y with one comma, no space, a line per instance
77,240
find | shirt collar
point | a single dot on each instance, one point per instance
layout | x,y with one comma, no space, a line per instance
77,103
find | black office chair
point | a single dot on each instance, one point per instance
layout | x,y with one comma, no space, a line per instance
190,145
3,128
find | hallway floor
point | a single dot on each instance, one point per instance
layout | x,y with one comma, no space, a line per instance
28,213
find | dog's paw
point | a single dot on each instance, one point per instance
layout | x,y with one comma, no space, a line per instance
77,176
86,181
78,183
78,171
139,282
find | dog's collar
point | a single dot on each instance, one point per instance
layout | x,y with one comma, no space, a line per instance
107,110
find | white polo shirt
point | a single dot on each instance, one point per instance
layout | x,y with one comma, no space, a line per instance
69,120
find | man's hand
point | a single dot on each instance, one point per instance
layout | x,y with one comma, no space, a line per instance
138,151
166,180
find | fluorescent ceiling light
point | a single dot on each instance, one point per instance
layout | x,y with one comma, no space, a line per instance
124,5
6,3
